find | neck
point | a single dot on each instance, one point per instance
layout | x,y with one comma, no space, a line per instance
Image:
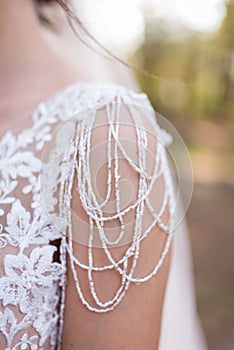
24,52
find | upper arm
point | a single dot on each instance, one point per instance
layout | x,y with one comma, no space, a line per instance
119,220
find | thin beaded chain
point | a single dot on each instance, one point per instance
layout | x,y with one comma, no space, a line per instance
78,156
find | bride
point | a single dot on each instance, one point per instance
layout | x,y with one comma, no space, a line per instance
90,258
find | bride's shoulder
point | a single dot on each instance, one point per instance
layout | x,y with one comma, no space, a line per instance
94,114
105,113
113,184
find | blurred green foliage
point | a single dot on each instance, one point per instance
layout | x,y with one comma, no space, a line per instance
196,93
197,69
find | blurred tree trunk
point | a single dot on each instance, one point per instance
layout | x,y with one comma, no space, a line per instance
227,43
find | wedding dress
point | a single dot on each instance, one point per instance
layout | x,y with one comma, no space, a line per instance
32,282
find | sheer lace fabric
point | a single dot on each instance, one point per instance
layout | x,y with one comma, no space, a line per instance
32,282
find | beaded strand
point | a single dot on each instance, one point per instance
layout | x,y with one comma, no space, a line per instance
78,154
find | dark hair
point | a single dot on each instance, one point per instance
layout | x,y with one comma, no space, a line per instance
75,23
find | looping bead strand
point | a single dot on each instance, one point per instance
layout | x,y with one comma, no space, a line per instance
80,159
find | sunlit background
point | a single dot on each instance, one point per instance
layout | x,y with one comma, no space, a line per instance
122,23
189,44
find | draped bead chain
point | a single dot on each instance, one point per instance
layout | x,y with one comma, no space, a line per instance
78,156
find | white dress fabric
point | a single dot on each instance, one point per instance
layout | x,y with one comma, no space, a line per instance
32,283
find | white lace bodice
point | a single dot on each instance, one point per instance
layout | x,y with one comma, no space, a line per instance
32,276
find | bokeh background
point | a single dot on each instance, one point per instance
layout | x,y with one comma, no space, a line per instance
194,50
190,46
